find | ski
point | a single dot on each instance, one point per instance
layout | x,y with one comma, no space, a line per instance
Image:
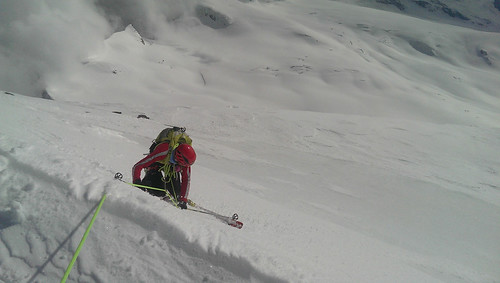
231,221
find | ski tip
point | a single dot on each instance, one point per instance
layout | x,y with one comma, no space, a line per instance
236,224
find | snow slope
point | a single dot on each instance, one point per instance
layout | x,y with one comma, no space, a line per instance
476,14
357,145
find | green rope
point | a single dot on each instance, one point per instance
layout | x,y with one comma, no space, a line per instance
75,256
168,194
145,187
169,172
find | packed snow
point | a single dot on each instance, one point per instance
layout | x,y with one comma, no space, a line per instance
356,144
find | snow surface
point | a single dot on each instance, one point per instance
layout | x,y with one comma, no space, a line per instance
356,145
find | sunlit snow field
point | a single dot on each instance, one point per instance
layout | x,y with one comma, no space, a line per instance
356,144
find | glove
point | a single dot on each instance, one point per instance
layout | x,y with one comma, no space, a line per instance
182,205
137,182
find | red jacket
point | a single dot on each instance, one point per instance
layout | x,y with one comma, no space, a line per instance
159,154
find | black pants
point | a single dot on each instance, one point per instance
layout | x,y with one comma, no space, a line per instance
154,178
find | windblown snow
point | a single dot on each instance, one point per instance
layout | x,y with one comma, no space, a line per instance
356,144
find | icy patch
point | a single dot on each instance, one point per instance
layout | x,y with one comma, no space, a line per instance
212,18
306,37
11,215
482,53
422,47
13,187
3,163
262,1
